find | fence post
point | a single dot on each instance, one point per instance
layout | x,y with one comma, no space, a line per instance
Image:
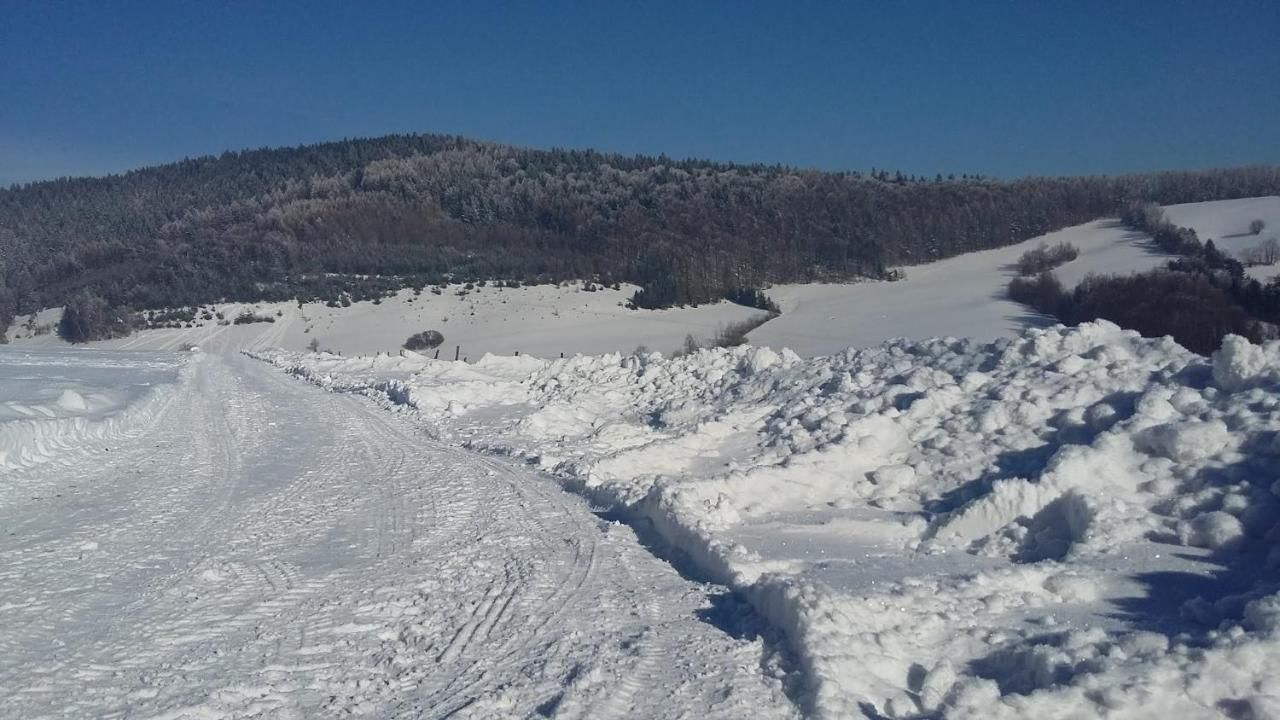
457,352
437,354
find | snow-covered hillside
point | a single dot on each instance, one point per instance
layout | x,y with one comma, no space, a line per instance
964,296
958,297
1071,523
1226,222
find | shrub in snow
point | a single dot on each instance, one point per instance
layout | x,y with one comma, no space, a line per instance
87,317
426,340
1044,258
247,317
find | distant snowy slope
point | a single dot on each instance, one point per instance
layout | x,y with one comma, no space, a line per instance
958,297
1070,523
964,296
1226,222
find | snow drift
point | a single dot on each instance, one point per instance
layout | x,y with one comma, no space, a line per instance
1071,522
46,416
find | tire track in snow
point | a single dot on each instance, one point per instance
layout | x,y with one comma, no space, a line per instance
277,551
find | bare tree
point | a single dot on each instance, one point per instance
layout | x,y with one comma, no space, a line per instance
1269,252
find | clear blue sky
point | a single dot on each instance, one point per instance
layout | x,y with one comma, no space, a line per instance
1001,88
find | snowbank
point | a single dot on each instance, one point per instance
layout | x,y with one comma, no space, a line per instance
1070,522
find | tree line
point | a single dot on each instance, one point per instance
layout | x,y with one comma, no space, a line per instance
359,218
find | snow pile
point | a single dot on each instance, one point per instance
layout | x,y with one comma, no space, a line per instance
1071,521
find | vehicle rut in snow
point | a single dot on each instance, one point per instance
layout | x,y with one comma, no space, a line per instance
272,550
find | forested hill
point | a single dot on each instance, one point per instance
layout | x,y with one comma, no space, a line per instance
414,209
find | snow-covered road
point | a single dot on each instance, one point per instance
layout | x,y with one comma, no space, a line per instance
255,547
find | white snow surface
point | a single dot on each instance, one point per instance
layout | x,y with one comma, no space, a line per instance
52,402
1031,522
964,296
189,535
1226,222
1070,523
541,320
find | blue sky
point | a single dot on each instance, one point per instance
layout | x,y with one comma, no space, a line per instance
1000,88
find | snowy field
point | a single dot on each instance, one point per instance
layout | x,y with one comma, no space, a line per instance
1072,523
964,296
1227,223
205,537
541,320
56,401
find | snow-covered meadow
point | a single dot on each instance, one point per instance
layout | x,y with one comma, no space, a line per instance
964,296
1227,222
541,320
1073,522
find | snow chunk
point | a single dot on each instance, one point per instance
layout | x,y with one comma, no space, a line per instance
1239,364
72,401
1188,441
1215,530
1263,615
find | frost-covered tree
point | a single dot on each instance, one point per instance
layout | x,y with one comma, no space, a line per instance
1267,253
352,220
6,312
88,317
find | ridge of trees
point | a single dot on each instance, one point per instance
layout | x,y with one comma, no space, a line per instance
87,317
360,218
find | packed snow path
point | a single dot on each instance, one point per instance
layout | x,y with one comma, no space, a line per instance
260,548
